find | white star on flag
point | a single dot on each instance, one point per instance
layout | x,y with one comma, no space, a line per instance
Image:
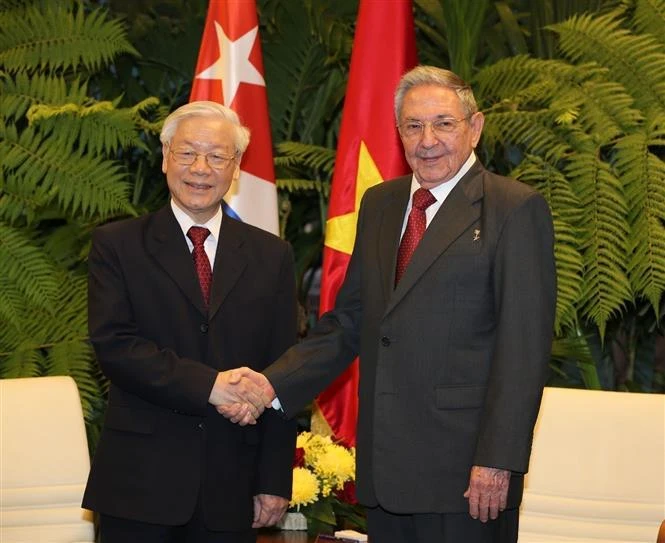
233,66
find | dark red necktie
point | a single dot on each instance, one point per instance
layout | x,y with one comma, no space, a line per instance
198,236
415,228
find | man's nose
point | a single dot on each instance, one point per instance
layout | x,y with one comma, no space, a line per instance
428,138
200,164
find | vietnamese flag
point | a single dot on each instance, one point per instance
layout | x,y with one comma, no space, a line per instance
230,71
369,151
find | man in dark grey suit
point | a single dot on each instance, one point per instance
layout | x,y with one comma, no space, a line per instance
453,331
178,298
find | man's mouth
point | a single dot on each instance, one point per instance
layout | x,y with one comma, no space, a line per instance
198,186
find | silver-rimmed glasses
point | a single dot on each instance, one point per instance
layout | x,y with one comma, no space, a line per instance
187,157
414,128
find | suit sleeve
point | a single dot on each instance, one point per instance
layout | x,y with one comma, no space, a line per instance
279,434
331,345
128,360
525,300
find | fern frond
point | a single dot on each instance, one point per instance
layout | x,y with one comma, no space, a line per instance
636,61
300,185
530,130
26,266
511,76
12,303
643,175
98,128
21,91
76,182
649,18
605,228
57,38
317,157
607,109
75,358
566,213
24,361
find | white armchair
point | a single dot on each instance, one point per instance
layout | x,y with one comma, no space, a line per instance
44,462
597,471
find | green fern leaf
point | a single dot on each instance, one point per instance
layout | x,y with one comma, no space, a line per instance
292,153
59,38
636,61
27,267
649,18
643,174
300,185
76,182
606,287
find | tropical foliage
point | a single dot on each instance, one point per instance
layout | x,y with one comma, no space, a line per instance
588,131
62,172
573,91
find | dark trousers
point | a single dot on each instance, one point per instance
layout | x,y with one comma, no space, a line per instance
120,530
385,527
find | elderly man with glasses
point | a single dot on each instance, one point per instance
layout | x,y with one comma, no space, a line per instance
449,300
178,298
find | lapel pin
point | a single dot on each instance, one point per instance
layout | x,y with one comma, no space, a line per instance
476,234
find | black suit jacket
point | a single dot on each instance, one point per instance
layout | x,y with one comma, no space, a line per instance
161,351
453,360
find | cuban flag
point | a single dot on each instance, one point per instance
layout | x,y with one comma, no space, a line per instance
229,70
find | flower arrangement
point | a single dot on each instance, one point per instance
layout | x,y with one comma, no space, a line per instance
324,483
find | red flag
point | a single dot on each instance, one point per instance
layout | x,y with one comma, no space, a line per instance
368,152
230,71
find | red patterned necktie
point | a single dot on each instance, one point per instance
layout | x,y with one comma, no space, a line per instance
198,236
415,228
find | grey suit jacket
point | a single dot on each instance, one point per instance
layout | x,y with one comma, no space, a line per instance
452,360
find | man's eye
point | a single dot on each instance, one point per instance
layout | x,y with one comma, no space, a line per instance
444,124
413,126
217,158
186,154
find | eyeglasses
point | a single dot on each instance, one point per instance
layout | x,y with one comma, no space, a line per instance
415,129
215,160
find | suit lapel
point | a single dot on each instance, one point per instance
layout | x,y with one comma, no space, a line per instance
392,220
456,214
230,261
166,243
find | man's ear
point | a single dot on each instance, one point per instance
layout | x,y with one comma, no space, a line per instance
477,122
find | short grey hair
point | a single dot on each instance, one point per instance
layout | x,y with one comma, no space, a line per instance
431,75
204,108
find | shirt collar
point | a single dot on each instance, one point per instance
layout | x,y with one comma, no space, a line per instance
441,191
186,222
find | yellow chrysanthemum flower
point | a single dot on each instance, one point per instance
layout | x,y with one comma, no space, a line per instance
305,487
335,464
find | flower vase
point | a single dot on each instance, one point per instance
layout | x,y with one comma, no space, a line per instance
293,521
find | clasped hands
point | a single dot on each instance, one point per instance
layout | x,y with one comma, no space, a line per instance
241,395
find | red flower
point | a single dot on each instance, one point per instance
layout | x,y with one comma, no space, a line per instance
299,459
347,493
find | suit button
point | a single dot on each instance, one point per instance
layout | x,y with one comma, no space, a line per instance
385,341
200,426
204,328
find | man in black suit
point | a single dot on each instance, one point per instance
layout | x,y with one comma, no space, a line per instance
453,330
171,311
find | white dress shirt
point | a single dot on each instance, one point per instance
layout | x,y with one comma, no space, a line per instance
439,192
214,224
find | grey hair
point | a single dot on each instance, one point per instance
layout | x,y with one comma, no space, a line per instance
205,108
431,75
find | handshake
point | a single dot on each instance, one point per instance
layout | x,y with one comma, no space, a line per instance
241,395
